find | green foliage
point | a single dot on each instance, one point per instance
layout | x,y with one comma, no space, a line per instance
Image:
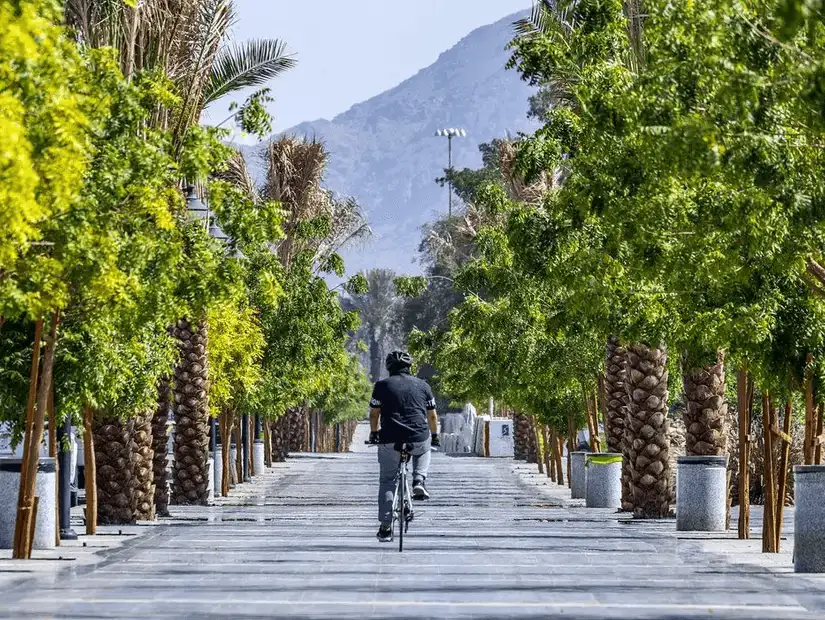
348,396
235,349
688,142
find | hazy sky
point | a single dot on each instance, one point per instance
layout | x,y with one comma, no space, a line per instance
350,50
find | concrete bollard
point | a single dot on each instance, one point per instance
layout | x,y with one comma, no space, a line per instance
809,519
44,527
258,456
578,475
217,457
701,493
211,497
604,480
233,467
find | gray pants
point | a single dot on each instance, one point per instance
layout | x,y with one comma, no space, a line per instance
388,460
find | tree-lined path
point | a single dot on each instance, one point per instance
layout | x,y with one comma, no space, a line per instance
490,544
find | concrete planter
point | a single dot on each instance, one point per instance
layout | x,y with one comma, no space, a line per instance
217,458
44,528
809,519
701,493
258,456
578,475
604,480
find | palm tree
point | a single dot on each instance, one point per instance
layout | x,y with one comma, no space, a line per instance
187,41
647,430
379,309
294,179
190,473
555,21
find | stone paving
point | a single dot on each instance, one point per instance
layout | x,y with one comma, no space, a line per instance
495,541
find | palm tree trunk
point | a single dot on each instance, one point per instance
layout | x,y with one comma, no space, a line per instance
615,395
521,439
115,479
706,410
190,475
648,439
160,448
143,460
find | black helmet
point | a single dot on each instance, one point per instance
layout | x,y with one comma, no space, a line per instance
398,361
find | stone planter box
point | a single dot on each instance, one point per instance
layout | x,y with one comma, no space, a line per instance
44,528
809,519
578,475
604,480
258,456
701,493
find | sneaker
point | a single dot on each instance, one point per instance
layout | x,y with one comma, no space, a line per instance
419,490
385,533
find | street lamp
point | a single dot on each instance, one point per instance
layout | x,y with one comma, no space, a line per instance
450,133
195,207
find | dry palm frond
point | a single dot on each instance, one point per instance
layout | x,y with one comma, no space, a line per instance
237,173
295,171
348,226
517,188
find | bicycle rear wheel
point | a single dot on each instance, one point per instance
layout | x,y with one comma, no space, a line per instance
401,493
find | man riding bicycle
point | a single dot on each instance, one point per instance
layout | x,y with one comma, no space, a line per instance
405,407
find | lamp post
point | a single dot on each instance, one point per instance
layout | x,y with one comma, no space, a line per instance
199,211
450,133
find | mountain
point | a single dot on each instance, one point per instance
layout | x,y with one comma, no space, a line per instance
384,153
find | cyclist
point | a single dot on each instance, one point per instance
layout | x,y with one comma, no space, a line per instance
405,407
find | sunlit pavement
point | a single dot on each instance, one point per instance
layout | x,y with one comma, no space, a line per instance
495,541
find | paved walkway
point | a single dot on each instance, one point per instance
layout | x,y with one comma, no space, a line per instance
496,541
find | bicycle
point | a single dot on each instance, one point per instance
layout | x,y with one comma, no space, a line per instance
402,512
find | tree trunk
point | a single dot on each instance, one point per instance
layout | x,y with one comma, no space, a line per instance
559,450
267,443
706,410
769,520
648,430
115,479
548,450
190,474
615,395
160,448
539,451
743,391
26,500
143,461
90,463
784,459
572,433
226,442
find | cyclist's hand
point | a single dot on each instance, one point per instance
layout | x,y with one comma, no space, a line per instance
374,437
436,440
